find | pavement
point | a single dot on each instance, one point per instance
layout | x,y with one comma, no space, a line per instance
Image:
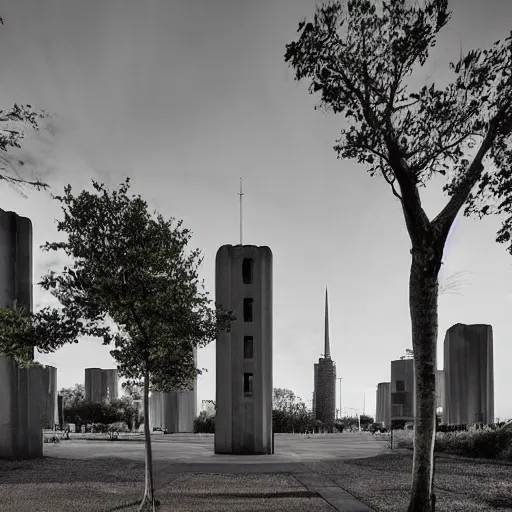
178,454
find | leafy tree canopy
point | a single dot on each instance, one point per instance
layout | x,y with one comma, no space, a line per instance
134,270
359,56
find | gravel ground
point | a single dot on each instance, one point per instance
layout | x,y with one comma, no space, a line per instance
461,485
49,485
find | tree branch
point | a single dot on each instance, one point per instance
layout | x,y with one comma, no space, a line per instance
445,218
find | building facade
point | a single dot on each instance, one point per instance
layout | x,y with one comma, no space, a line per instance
325,380
174,411
21,434
243,284
101,384
402,392
468,375
383,410
49,400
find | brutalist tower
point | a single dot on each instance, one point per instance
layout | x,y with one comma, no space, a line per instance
325,380
243,284
468,375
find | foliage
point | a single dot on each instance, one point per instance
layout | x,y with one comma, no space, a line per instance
83,412
487,442
72,396
204,423
133,270
47,330
13,124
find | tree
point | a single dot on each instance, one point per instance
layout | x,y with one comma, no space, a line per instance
47,330
72,396
359,59
133,270
283,399
13,123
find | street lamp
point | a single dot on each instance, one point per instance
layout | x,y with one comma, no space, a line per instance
340,379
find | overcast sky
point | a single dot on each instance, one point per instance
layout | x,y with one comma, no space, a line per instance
186,96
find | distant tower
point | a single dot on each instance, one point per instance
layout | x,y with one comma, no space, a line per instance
243,284
383,412
174,411
101,384
469,375
325,380
402,392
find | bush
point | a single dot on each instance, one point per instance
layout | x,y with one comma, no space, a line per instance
483,442
119,425
204,424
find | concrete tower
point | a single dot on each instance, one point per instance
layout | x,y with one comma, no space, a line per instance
402,392
49,400
20,389
469,374
243,284
101,384
383,412
175,411
325,380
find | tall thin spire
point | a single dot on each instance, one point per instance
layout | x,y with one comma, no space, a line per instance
327,349
240,194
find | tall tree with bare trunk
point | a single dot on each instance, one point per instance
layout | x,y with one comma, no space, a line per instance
359,57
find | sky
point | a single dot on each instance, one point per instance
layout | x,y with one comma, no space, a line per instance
186,97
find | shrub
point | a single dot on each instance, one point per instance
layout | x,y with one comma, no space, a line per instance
119,425
204,424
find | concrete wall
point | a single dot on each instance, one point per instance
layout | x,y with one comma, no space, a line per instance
469,374
101,384
21,433
383,410
20,399
175,411
244,423
49,400
402,402
325,393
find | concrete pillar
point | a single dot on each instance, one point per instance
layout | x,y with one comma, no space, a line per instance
243,284
20,389
21,433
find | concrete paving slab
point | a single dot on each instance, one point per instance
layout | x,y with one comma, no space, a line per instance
175,456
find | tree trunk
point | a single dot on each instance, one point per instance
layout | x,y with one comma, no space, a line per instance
148,501
423,294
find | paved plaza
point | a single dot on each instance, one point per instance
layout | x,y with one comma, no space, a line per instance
188,473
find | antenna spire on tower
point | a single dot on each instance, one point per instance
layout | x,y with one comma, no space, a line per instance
241,194
327,349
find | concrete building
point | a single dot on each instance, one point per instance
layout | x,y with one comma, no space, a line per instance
21,434
402,392
49,400
325,380
175,411
469,374
101,384
383,410
243,284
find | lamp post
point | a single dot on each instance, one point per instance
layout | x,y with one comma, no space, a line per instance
340,379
